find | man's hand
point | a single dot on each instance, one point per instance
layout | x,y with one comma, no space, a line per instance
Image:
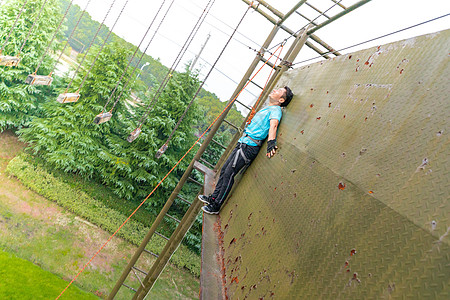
271,148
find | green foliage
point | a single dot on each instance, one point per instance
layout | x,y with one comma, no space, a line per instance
18,101
22,279
93,210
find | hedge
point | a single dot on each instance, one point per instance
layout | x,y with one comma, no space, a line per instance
81,204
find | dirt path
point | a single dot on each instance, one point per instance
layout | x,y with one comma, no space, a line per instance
40,231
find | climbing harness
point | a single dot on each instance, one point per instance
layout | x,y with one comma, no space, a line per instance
106,116
7,60
253,112
34,79
169,74
162,180
73,97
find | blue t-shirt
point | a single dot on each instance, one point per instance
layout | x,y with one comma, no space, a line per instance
260,125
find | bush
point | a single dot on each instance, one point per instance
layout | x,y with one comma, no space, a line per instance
94,211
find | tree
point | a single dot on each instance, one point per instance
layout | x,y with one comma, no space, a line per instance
19,101
65,135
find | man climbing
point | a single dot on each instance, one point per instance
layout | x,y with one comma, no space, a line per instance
264,124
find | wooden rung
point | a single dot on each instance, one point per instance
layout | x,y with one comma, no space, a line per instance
129,287
102,118
68,97
161,151
173,218
143,272
184,200
151,253
9,61
134,135
161,235
34,79
194,181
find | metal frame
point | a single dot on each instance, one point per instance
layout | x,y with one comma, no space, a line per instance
190,216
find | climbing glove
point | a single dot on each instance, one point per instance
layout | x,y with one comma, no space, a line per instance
271,147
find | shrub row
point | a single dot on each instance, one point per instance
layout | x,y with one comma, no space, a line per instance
78,202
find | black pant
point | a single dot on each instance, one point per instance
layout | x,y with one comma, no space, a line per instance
226,178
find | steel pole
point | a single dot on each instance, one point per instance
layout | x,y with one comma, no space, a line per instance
189,169
271,8
290,55
169,250
342,13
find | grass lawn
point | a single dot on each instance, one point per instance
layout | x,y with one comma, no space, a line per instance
20,279
41,232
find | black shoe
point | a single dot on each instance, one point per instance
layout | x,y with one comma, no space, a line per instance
210,209
205,199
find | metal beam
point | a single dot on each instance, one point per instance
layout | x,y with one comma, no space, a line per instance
271,8
318,10
316,39
286,16
335,17
339,3
291,32
289,56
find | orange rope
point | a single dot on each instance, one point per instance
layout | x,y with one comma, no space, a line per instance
173,168
253,112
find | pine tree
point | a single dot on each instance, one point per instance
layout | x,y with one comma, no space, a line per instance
19,101
65,135
131,168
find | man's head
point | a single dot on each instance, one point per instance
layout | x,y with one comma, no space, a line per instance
281,96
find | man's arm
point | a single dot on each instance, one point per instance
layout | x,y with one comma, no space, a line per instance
271,140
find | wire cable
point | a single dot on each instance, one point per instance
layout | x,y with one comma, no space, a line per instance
143,53
231,102
161,151
89,47
32,27
131,60
13,27
377,38
103,45
70,36
53,38
173,67
311,22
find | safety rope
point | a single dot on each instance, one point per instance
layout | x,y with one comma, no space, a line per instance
374,39
131,59
103,45
89,47
32,27
70,36
164,178
204,80
13,27
175,63
253,112
53,38
143,54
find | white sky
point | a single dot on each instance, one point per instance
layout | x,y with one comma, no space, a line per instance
373,19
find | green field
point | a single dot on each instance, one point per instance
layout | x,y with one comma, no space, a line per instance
54,240
20,279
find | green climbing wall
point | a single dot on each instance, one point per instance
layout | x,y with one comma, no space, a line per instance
356,202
